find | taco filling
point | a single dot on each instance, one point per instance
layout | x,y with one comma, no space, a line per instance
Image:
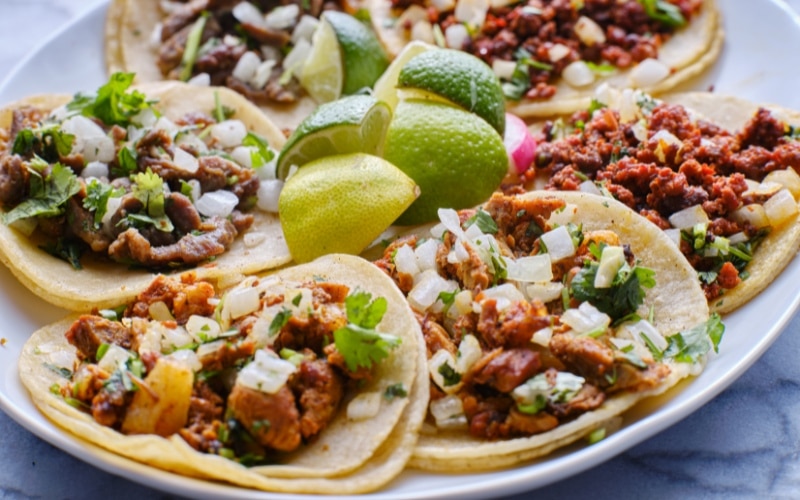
108,174
530,321
250,375
717,193
531,45
254,48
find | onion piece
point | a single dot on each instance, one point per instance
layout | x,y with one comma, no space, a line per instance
242,301
247,13
504,70
365,405
456,36
268,194
689,217
578,74
753,214
96,169
469,352
266,373
304,29
590,187
200,80
246,67
530,269
585,318
589,32
448,412
472,12
185,161
114,358
558,52
519,143
559,243
218,203
440,360
780,208
612,258
229,133
648,73
546,292
202,329
282,17
788,178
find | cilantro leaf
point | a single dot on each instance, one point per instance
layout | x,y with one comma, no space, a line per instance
688,345
664,12
358,341
279,321
126,163
624,296
484,221
48,197
263,154
395,391
111,104
148,188
97,196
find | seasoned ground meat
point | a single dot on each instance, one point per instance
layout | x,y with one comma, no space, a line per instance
319,390
184,298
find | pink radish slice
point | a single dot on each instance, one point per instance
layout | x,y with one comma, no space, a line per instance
519,143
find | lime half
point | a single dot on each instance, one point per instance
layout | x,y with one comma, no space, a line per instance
348,125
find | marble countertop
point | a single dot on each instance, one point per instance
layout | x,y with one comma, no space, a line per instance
745,443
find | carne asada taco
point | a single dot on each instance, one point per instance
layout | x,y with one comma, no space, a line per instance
100,191
254,47
545,316
550,56
717,173
287,382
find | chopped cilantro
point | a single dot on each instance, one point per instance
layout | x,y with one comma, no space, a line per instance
279,321
97,196
47,196
395,391
262,154
484,221
148,188
594,106
112,104
126,163
688,345
358,342
449,374
69,251
624,296
664,12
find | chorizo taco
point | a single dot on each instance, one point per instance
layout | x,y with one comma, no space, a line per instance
717,173
545,317
307,380
101,191
550,56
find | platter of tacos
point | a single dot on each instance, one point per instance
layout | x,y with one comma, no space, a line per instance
582,415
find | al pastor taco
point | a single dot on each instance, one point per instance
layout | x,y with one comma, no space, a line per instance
717,173
545,316
100,191
550,56
307,380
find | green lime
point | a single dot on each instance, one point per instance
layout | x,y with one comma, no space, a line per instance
345,57
386,86
455,157
460,78
341,204
348,125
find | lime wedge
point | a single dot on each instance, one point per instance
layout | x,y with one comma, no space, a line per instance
349,125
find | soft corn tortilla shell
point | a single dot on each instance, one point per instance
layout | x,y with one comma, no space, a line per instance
677,301
102,283
129,28
780,246
348,457
689,52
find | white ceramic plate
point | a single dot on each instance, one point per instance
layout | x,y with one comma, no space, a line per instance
753,66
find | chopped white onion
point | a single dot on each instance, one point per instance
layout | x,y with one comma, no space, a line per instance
209,348
114,358
452,223
439,359
243,155
217,203
95,169
448,412
565,387
752,214
689,217
469,352
159,311
472,12
426,254
365,405
442,5
585,318
90,139
643,328
282,17
590,187
780,208
559,243
167,125
247,13
542,336
546,292
456,36
426,291
578,74
639,130
266,373
648,73
533,268
504,69
187,358
405,261
296,59
305,29
229,133
612,258
246,67
558,52
788,178
263,73
268,193
422,31
242,301
589,32
200,80
505,295
185,161
412,15
202,329
174,338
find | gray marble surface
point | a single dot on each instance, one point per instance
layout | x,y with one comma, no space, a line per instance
743,444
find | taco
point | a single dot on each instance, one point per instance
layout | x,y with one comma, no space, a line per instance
717,173
100,191
550,55
254,48
545,316
306,380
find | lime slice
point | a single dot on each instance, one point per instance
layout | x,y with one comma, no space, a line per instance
341,204
345,58
386,86
349,125
323,72
454,156
460,78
